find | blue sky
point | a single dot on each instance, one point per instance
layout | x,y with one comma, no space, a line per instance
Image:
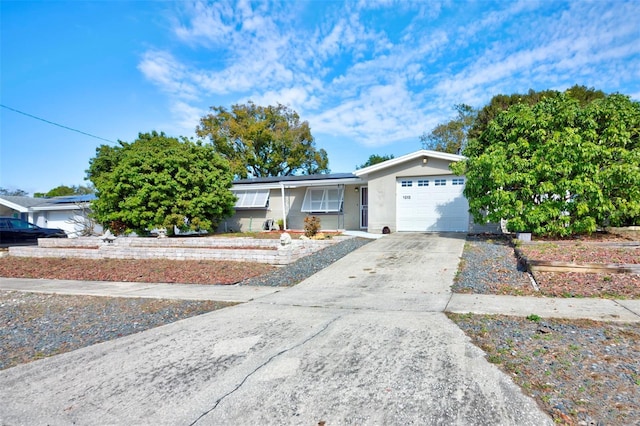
370,77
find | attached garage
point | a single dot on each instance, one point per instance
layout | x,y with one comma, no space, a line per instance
431,204
417,192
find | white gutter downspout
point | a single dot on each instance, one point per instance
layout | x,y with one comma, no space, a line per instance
284,211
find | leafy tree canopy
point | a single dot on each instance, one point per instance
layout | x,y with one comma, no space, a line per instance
469,123
63,190
263,141
451,137
375,159
501,103
13,192
560,166
158,181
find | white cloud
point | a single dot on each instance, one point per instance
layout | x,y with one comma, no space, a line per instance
390,70
208,24
162,69
297,98
187,117
579,43
380,115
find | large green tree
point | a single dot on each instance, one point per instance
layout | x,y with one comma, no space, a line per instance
451,136
557,167
375,159
263,141
159,181
63,190
499,103
469,123
13,192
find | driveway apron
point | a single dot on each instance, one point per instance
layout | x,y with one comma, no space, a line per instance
363,341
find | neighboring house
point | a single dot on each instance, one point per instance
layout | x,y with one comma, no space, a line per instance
68,213
415,192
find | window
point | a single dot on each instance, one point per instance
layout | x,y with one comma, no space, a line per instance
323,200
423,183
406,183
252,198
458,181
440,182
20,224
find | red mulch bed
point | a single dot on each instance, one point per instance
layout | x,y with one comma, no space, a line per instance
581,253
576,284
146,271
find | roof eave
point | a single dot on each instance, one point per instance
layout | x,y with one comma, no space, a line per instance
298,184
14,206
53,207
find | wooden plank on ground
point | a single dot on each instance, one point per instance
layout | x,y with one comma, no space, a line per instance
612,268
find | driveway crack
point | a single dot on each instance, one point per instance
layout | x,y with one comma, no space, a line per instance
446,307
264,364
625,308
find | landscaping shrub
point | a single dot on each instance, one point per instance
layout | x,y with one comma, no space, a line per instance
311,226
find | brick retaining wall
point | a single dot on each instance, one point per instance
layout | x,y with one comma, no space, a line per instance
195,242
270,251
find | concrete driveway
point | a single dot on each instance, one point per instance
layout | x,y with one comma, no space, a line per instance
364,341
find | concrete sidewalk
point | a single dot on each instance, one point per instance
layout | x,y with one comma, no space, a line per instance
546,307
220,293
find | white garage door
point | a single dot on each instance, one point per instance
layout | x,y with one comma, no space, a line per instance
431,204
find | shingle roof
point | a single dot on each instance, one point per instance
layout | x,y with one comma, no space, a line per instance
23,201
29,202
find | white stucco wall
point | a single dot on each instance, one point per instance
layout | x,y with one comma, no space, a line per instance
252,220
69,221
382,189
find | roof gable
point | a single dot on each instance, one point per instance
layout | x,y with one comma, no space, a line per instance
423,153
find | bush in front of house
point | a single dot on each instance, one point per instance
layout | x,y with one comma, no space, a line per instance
160,182
311,226
558,167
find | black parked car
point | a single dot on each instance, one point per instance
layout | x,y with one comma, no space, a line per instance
18,231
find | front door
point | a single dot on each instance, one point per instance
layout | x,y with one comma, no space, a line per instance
364,207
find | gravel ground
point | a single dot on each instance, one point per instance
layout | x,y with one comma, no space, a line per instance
34,326
303,268
580,372
489,266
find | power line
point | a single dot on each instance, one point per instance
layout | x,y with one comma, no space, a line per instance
56,124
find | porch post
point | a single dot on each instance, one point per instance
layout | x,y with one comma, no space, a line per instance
284,211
